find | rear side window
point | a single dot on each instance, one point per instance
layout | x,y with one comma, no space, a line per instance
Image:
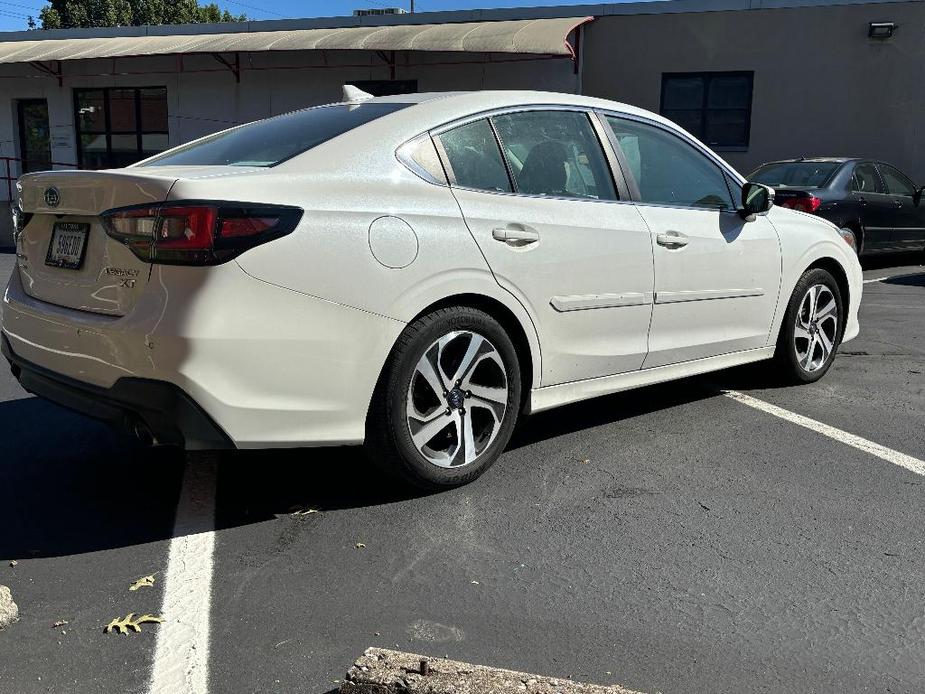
555,153
896,182
474,158
866,179
668,171
274,140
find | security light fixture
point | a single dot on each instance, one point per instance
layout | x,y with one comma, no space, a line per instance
881,30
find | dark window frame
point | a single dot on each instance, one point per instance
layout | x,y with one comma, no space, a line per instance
704,109
108,131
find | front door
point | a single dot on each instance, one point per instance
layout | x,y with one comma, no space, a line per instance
908,209
546,215
34,136
717,277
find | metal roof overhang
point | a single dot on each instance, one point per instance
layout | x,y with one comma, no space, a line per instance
528,36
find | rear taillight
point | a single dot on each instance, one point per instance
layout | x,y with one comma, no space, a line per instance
197,233
20,219
809,203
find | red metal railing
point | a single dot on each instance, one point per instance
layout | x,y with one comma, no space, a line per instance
10,178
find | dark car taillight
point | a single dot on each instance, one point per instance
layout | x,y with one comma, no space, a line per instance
808,203
197,233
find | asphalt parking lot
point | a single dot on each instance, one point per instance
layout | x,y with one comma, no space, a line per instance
670,539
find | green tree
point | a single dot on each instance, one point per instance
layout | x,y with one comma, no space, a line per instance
67,14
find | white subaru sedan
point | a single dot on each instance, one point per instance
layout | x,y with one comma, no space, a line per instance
414,272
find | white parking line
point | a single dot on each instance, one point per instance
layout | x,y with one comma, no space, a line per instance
181,661
888,454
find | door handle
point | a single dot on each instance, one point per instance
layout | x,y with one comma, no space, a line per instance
862,200
515,235
672,239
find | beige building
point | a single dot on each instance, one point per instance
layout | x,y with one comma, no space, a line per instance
757,79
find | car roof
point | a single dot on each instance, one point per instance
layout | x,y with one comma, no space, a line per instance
815,160
473,102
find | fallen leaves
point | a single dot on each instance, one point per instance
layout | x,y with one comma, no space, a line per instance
359,545
143,582
13,563
59,623
123,625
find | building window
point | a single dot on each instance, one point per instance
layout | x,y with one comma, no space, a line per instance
117,126
715,107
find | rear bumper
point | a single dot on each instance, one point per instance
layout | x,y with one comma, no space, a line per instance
150,409
270,367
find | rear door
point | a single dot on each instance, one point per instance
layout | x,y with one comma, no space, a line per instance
908,211
717,277
65,256
549,218
877,210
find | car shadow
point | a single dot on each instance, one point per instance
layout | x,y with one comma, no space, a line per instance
70,485
916,280
888,260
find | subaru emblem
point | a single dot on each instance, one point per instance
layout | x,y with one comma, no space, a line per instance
52,197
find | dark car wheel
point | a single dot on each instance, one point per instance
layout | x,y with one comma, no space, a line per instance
812,328
447,402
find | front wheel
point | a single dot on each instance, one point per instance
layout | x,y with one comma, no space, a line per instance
812,328
447,401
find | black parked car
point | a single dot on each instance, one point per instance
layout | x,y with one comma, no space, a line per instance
876,206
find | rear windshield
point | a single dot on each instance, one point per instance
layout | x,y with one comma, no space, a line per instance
274,140
798,174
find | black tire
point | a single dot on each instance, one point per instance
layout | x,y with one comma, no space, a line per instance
786,356
389,440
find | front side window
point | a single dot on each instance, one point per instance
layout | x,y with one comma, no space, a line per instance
120,125
274,140
896,182
668,170
715,107
866,179
474,158
555,153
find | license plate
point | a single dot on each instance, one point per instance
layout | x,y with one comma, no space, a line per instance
68,245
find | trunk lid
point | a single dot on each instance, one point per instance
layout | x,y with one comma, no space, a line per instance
65,205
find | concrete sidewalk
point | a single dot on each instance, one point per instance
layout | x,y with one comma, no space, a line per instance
382,671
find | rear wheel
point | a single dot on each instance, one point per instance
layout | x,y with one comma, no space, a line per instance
447,401
812,328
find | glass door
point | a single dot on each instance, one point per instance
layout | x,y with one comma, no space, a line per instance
34,138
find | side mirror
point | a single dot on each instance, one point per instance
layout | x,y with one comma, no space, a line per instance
756,199
917,198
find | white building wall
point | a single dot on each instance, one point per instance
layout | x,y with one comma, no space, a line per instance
204,97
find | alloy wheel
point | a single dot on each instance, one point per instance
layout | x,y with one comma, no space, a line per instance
816,327
457,399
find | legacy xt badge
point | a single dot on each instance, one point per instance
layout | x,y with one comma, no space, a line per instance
127,277
52,197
